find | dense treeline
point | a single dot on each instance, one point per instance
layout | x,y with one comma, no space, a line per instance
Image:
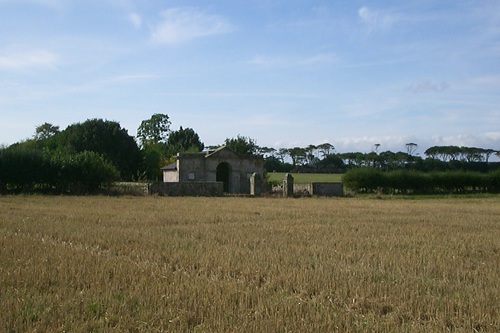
80,159
322,158
370,180
89,155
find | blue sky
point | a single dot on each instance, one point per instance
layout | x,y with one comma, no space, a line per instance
283,72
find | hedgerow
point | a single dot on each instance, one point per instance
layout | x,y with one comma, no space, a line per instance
33,170
369,180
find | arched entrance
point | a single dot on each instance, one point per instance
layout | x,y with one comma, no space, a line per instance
224,175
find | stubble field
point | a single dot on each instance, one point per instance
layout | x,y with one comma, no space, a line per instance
156,264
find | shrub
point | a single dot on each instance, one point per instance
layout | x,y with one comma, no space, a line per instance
365,180
84,172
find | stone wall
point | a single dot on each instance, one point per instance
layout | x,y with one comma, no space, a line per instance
319,189
327,189
191,188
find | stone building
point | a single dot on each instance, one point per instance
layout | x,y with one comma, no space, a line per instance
222,165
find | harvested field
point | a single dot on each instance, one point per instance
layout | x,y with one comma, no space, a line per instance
162,264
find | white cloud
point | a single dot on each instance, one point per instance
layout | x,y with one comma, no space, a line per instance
376,20
135,19
487,140
184,24
28,60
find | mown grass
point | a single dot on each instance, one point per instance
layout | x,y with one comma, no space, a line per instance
302,178
156,264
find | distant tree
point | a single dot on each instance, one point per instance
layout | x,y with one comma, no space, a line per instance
472,154
310,154
349,158
45,131
371,159
272,164
184,140
376,147
282,153
487,154
242,145
325,149
452,153
411,148
266,152
154,130
432,152
331,163
298,155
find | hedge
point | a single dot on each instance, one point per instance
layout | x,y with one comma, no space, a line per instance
31,170
369,180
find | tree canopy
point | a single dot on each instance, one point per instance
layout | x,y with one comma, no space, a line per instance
45,131
184,140
154,130
242,145
104,137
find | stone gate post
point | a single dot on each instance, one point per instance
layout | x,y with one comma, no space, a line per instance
255,184
288,185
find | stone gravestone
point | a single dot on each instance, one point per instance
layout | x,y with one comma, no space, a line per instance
255,184
288,185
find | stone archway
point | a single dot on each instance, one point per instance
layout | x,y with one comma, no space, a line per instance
224,175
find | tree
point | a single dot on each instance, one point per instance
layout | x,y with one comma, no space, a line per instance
45,131
472,154
103,137
298,155
331,163
348,158
411,148
154,130
184,140
487,153
153,156
242,145
432,152
267,152
282,153
325,149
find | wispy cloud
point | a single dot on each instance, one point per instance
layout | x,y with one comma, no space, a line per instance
135,19
376,20
184,24
428,86
486,80
277,61
28,60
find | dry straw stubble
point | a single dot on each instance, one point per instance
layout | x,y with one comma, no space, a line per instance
152,264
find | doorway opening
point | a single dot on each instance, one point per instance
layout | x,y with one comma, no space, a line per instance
224,175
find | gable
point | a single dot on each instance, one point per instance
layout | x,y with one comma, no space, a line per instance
223,153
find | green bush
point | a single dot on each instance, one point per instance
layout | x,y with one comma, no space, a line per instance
365,180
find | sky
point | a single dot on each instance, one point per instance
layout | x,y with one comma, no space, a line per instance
285,73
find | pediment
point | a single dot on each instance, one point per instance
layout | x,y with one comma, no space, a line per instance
223,152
